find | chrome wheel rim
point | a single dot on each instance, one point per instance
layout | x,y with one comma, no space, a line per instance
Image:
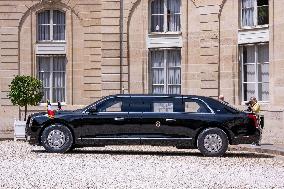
213,142
56,139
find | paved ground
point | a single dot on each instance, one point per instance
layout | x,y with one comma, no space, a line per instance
273,132
23,166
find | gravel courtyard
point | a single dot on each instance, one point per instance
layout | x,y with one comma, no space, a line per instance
25,166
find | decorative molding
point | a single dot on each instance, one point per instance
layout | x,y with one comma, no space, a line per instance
253,36
50,48
50,1
164,41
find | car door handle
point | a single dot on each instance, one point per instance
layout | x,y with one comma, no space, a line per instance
118,118
170,120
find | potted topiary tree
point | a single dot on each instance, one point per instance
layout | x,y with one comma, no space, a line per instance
24,91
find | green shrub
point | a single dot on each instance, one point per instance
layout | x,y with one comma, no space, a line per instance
24,91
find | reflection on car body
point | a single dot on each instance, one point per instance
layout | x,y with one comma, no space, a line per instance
184,121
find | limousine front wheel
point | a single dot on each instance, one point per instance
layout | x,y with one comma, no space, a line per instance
57,138
212,142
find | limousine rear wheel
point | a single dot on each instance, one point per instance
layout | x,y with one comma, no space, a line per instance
212,142
57,138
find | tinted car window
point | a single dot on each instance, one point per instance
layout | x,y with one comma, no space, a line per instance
166,105
139,105
195,106
113,105
163,107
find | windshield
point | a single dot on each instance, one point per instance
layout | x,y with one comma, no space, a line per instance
94,104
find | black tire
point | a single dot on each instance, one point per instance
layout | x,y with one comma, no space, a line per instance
57,139
212,142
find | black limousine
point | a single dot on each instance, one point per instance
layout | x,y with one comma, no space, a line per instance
184,121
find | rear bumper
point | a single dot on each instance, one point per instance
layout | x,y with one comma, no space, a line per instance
247,139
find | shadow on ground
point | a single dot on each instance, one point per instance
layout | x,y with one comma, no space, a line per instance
229,154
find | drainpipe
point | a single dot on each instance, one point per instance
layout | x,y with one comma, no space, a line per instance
219,54
121,46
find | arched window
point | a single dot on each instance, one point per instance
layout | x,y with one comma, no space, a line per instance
51,25
165,15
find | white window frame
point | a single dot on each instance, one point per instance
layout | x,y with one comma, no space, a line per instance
256,63
51,80
255,16
51,26
165,25
166,67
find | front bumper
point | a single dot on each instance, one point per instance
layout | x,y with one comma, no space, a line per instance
32,135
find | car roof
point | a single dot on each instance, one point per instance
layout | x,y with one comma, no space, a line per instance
158,95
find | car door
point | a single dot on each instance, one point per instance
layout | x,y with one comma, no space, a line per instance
109,123
197,115
161,124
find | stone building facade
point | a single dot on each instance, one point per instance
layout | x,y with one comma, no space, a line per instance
85,49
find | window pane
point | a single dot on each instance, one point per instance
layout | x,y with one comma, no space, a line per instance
263,15
58,95
249,91
174,58
263,53
43,32
249,73
248,3
59,63
58,80
174,71
43,20
158,89
249,54
157,7
263,73
157,16
58,25
43,64
174,89
173,15
44,17
46,96
44,76
158,72
262,2
58,17
157,58
263,91
59,32
157,23
174,76
247,12
158,76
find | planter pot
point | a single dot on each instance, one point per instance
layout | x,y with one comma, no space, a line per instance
19,130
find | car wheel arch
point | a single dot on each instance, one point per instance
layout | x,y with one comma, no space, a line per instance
219,127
